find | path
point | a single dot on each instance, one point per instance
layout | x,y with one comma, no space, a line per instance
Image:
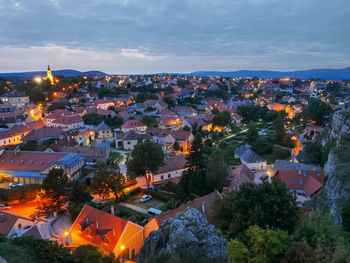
134,207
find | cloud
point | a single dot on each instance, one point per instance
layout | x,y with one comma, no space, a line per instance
195,34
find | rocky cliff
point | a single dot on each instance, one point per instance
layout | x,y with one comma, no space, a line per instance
188,233
333,195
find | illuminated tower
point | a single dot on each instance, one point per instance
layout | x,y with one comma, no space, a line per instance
49,75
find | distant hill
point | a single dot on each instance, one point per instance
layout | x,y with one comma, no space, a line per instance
63,72
340,74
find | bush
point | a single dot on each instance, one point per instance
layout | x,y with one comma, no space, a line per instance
26,192
280,153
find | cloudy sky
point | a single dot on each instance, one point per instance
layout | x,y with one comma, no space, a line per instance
146,36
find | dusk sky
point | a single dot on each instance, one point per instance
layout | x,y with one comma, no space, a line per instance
152,36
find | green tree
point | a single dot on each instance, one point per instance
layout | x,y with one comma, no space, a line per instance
91,254
252,133
193,179
266,205
346,216
54,190
107,181
258,246
317,110
262,145
237,251
217,170
149,121
145,158
168,100
280,131
77,192
299,252
221,119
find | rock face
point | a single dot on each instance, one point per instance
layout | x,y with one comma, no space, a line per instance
332,196
189,232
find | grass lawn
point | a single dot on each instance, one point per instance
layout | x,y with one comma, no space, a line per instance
115,156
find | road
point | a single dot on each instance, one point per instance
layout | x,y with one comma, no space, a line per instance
27,209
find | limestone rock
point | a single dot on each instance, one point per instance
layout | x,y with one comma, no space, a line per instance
188,232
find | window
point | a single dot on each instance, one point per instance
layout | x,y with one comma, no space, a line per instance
105,239
162,177
169,175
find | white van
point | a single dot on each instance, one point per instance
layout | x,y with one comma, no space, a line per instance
153,212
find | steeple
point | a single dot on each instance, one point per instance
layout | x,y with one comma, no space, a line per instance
48,67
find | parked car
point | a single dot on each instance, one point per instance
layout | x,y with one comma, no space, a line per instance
13,184
5,207
154,212
264,177
145,198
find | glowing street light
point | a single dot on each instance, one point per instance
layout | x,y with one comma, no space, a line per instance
66,233
37,79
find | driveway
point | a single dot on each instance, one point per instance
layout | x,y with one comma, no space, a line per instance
62,224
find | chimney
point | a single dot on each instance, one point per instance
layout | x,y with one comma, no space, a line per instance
87,220
203,207
17,150
2,150
112,209
113,231
97,224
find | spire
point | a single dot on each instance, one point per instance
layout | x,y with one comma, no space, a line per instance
48,67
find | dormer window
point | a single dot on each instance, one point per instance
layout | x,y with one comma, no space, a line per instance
12,161
105,239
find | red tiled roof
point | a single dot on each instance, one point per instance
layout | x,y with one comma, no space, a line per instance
28,161
100,224
132,124
181,135
308,180
241,174
203,204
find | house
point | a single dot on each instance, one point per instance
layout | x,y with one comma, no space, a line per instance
253,161
266,98
172,167
134,125
12,225
286,165
184,111
183,138
68,122
14,97
162,137
204,204
236,118
249,158
44,134
312,132
238,176
288,99
102,104
7,108
202,120
302,184
138,107
130,139
17,117
156,104
103,131
170,123
32,167
58,114
91,154
109,232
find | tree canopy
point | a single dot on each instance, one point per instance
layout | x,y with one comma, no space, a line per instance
265,205
145,158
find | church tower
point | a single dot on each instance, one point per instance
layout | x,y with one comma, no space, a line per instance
49,75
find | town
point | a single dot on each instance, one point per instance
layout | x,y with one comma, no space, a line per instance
106,165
